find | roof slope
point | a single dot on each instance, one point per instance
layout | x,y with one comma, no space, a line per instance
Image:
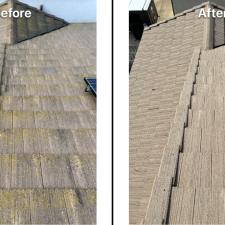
156,81
48,129
198,197
189,188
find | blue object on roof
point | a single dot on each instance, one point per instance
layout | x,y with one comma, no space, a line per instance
91,85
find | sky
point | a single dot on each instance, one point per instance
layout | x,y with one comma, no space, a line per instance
70,10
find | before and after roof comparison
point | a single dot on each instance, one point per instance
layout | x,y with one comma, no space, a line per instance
49,134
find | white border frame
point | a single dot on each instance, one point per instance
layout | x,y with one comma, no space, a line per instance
104,112
121,112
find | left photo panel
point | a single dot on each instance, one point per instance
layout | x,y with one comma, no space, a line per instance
48,112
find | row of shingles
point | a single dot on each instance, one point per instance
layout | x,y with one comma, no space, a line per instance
48,120
26,170
149,128
51,170
44,89
38,78
56,63
48,75
48,70
83,62
81,51
198,199
47,103
50,141
61,60
47,206
25,53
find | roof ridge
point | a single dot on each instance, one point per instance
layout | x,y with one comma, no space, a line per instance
183,14
217,5
38,10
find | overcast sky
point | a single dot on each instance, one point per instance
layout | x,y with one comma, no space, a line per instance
70,10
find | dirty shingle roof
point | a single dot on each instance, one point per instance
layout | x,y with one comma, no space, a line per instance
48,129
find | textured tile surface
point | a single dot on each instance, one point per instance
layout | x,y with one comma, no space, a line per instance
48,129
198,197
156,81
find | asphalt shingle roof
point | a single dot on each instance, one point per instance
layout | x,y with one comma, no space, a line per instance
48,129
157,81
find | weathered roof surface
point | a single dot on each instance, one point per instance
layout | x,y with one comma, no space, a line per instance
198,197
156,81
48,129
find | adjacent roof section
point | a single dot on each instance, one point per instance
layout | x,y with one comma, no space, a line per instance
15,30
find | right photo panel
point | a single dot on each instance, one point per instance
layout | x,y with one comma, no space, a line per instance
177,112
